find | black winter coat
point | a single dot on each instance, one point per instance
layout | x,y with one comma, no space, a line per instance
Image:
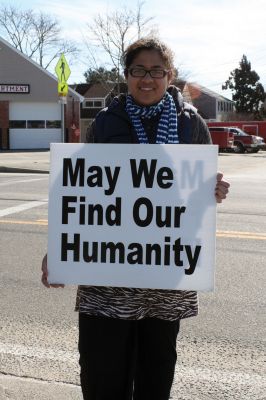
112,125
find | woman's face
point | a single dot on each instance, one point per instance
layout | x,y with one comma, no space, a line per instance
147,90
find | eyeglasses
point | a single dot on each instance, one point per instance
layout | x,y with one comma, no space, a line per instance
154,73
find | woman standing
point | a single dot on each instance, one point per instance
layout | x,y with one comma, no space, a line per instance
127,336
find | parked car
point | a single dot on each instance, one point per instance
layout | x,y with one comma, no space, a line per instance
257,128
243,142
246,142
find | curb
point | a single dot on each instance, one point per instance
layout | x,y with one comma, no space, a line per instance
15,387
22,170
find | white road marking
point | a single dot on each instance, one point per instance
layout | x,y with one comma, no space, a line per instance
21,181
242,235
37,352
222,376
22,207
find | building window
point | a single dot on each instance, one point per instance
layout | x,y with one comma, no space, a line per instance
53,124
17,124
98,103
35,124
93,103
88,104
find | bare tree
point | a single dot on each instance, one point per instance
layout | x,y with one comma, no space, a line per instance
36,35
141,21
112,32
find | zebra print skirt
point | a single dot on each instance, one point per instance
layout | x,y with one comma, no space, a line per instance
134,304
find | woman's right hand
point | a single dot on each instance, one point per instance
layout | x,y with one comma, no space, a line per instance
45,275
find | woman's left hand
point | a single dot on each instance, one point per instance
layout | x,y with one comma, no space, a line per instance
221,188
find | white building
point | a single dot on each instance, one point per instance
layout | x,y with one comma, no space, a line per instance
30,111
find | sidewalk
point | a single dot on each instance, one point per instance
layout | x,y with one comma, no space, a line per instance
31,161
14,388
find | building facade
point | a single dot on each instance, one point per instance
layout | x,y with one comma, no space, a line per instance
31,114
210,105
96,97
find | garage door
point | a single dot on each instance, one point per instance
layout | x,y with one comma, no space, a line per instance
34,125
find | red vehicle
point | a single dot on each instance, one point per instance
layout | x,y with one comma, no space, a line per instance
243,142
223,138
257,128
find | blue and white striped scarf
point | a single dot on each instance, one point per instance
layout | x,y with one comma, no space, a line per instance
167,128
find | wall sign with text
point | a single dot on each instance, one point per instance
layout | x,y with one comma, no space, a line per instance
14,88
132,215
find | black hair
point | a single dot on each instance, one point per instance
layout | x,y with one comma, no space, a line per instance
149,43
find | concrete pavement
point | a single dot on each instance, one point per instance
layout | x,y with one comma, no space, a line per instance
31,161
223,365
25,388
14,388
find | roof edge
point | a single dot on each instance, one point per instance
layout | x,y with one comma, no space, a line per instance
81,98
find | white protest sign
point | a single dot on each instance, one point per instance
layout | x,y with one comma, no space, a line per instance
132,215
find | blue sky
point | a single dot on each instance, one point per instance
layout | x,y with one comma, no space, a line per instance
208,37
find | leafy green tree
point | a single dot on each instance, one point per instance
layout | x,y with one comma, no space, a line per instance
248,92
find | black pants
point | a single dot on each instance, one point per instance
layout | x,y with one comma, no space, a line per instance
122,359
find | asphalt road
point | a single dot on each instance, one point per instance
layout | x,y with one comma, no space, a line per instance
221,353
